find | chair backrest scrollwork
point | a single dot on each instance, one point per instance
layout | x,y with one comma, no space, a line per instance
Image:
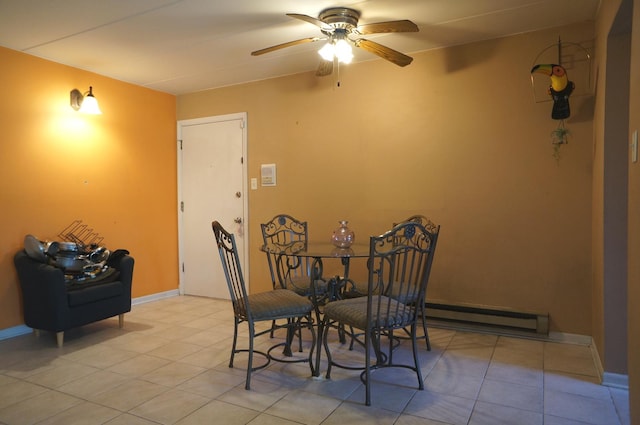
289,235
400,264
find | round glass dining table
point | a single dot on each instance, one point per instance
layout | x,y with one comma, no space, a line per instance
336,285
319,251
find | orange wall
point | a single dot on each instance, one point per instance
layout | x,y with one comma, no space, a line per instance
116,172
456,136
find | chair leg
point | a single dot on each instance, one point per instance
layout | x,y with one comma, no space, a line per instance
299,331
121,320
426,334
389,359
291,333
423,315
247,385
235,340
314,341
299,335
367,368
416,361
36,332
324,328
60,338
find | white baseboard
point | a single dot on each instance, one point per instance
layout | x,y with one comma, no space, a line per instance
608,379
615,380
570,338
23,329
14,331
155,297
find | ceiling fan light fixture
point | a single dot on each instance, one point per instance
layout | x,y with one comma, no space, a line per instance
327,51
340,50
343,51
339,25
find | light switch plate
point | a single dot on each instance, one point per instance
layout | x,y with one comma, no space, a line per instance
634,146
254,183
268,174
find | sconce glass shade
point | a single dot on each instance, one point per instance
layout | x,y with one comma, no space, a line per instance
86,104
90,105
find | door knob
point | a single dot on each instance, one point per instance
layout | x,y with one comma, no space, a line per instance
238,194
237,220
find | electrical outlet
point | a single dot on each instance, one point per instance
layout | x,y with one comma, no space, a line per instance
254,184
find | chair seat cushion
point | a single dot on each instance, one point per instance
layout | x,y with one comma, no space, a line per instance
353,312
300,285
279,303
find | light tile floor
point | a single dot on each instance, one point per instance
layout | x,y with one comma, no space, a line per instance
169,365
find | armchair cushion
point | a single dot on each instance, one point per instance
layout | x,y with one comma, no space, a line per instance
93,293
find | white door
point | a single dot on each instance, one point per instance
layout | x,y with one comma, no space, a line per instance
212,186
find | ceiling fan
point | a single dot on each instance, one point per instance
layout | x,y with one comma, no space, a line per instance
340,26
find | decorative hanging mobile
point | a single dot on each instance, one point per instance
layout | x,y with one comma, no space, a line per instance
558,87
559,90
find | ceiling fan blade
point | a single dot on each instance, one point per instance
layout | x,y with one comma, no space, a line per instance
311,20
384,52
391,26
283,45
325,68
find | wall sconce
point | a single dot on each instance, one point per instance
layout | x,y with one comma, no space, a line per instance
85,103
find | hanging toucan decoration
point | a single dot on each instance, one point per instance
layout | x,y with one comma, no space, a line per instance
559,90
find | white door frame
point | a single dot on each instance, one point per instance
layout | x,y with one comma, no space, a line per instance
244,256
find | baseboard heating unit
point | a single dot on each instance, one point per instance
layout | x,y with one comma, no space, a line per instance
488,316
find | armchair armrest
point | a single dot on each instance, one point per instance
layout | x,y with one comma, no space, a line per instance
43,291
124,265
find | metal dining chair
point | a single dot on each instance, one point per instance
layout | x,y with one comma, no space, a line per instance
277,304
398,272
434,229
288,270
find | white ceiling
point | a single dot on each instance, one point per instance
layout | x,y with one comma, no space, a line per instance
183,46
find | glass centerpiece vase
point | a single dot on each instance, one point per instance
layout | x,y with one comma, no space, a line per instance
343,237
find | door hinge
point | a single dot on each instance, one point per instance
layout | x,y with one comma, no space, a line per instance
180,142
181,206
241,123
241,160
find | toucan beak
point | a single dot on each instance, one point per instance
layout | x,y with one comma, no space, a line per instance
546,69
